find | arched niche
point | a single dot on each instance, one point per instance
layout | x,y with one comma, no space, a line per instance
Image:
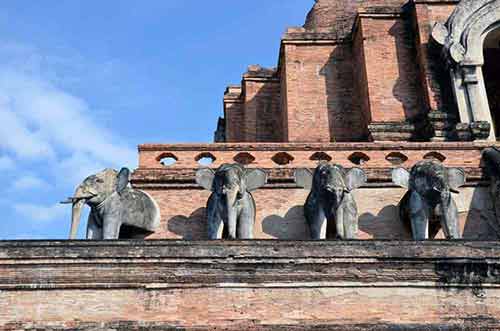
463,39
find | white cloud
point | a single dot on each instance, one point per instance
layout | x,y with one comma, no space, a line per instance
6,163
41,121
40,213
50,133
30,182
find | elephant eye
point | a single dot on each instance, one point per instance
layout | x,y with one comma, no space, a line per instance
99,180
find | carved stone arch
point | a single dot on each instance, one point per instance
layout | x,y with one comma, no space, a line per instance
462,38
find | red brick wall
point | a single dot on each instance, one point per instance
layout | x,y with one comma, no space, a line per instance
245,308
319,85
249,285
457,154
361,97
306,92
234,121
393,86
435,80
279,204
234,114
262,111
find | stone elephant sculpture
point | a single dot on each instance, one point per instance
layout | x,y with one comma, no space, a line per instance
114,207
231,208
331,199
428,202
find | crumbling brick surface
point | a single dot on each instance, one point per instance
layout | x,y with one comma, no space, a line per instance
258,285
354,64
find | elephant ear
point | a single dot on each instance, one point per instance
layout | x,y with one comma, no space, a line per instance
456,178
304,178
401,177
255,178
122,180
205,178
355,178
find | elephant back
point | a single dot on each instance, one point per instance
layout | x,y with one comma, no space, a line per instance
139,210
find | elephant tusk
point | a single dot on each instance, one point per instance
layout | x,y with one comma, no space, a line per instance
72,200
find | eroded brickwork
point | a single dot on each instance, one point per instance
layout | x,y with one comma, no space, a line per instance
259,285
359,70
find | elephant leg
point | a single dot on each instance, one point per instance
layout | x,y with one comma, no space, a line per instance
349,217
94,230
449,217
339,222
111,229
215,224
419,215
317,224
246,220
215,228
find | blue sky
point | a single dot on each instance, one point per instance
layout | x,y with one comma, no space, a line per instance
83,82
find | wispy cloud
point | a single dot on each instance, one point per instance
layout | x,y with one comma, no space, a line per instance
30,182
41,213
49,133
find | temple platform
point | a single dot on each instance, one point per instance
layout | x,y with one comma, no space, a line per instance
257,285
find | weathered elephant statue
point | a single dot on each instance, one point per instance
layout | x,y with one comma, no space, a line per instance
114,206
429,198
231,207
331,198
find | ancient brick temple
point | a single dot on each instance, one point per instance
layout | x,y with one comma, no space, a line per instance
375,84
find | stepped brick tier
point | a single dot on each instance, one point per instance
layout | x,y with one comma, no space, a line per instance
280,203
249,285
375,70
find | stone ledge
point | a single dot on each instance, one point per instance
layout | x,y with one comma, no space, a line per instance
376,146
56,265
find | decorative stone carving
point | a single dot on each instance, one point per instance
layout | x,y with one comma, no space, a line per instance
472,131
231,207
442,124
331,199
113,205
462,38
429,198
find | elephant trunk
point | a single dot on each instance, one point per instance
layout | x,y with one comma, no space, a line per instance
78,203
231,196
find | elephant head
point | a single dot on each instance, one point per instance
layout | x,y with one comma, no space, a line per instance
430,185
231,201
109,197
330,198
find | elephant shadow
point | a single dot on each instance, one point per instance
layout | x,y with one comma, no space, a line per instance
292,226
385,225
193,227
480,220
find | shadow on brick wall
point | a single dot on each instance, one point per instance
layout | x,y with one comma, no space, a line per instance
385,225
292,226
189,228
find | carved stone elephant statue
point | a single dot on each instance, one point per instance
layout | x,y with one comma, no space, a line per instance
428,201
331,199
114,207
231,207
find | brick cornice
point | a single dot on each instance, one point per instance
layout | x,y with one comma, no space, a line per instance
375,146
247,264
